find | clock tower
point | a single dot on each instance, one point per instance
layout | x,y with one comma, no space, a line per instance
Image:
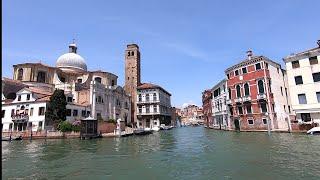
132,76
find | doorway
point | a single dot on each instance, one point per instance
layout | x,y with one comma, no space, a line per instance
237,124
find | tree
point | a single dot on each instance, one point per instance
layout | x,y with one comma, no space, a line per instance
57,108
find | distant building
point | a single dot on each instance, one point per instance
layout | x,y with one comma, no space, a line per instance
303,71
207,107
175,116
258,95
153,106
221,118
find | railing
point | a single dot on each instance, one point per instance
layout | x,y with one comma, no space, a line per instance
246,98
20,117
237,100
261,96
150,101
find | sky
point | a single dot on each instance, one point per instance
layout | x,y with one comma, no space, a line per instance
185,45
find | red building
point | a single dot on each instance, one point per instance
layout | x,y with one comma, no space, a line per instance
257,95
207,107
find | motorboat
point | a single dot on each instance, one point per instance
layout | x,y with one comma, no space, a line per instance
142,132
314,131
12,138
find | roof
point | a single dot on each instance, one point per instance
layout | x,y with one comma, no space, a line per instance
304,54
250,61
151,86
11,86
38,63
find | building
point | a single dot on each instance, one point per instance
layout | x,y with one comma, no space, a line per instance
93,92
303,71
153,106
221,118
258,97
175,116
207,107
132,76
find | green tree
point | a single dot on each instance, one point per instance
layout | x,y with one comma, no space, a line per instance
57,108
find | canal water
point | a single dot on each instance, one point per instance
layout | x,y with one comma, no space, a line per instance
181,153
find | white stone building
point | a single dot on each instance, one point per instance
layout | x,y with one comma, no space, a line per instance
221,119
153,106
303,71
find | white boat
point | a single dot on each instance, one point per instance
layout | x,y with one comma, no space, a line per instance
314,131
156,128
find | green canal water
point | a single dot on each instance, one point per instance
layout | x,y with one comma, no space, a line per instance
181,153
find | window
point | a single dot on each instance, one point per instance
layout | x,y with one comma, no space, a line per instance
40,124
286,90
281,90
140,109
112,83
147,97
305,117
261,87
75,112
313,60
278,70
298,80
267,66
41,77
132,53
284,108
140,98
97,80
12,112
229,91
249,110
20,74
240,110
258,66
246,89
316,77
154,96
231,111
238,91
289,108
41,111
19,98
79,80
28,96
264,121
250,121
318,96
88,113
69,99
263,107
272,107
244,70
83,113
228,76
302,98
147,109
295,64
68,113
3,113
155,108
10,126
31,112
236,72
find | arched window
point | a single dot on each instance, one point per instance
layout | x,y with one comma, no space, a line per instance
97,79
229,91
238,91
41,77
261,87
246,89
128,53
20,74
132,53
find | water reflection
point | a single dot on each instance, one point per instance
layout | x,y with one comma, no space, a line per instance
182,153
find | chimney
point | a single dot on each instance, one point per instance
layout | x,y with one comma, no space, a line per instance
318,42
249,54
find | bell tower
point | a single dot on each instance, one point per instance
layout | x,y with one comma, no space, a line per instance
132,76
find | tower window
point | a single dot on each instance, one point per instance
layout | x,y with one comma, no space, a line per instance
129,53
112,83
20,74
132,53
41,77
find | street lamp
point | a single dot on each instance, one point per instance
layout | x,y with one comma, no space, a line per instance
267,116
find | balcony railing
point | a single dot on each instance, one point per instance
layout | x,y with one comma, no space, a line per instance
228,101
261,96
20,118
150,101
246,98
238,100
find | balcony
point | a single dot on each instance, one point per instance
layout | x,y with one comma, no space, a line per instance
246,98
238,100
20,118
150,101
261,96
228,101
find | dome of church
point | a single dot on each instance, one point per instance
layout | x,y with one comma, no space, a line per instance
71,60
